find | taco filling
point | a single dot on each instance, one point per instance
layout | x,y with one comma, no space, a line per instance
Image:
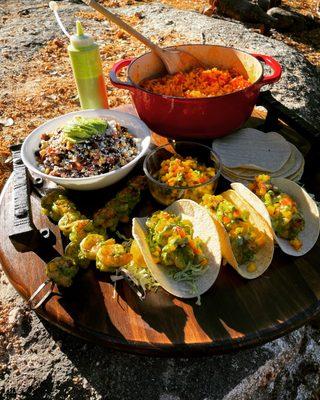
172,244
287,221
245,239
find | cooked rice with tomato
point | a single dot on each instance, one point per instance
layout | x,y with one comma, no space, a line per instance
199,82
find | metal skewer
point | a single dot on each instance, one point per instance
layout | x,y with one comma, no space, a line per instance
43,298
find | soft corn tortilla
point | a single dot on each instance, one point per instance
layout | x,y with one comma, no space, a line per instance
204,228
253,149
264,256
306,205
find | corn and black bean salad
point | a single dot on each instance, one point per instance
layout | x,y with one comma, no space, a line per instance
85,147
286,219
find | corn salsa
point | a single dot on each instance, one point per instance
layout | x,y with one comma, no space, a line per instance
185,173
245,239
286,219
199,82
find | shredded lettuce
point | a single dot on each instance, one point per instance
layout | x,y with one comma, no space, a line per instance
142,275
123,237
189,275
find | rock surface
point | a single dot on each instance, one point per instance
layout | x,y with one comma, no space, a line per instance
38,361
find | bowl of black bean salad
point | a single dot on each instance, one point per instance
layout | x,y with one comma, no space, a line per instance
86,150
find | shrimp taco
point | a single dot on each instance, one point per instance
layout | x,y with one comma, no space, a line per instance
181,247
287,208
246,239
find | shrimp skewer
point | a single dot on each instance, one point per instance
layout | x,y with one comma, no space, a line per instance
119,208
87,237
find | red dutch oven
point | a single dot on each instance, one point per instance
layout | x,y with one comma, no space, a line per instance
206,117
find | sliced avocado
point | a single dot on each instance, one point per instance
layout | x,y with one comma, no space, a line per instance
81,128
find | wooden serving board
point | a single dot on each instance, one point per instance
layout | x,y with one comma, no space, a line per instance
235,313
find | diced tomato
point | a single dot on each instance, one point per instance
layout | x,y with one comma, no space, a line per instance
236,213
44,136
180,231
286,201
194,248
226,219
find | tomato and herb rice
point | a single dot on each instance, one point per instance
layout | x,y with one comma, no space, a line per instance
199,82
286,219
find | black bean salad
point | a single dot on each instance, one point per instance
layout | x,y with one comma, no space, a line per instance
85,147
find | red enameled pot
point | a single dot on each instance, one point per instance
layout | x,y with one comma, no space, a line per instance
206,117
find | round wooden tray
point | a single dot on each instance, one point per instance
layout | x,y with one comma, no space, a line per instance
235,313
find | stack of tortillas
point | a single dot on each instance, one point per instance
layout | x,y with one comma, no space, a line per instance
249,152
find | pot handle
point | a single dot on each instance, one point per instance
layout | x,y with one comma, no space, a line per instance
277,69
117,67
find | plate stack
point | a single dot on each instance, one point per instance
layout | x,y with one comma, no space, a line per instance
249,152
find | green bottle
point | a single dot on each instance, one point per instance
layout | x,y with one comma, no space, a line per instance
87,70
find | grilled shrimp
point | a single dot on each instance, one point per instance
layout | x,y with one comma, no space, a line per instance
107,216
73,251
62,270
60,207
80,230
66,221
111,256
51,196
90,245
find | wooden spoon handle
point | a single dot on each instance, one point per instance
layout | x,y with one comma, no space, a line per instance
118,21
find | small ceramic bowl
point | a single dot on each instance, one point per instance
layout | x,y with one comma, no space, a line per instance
134,125
165,194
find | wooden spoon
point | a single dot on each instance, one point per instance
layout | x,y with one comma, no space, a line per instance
174,60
